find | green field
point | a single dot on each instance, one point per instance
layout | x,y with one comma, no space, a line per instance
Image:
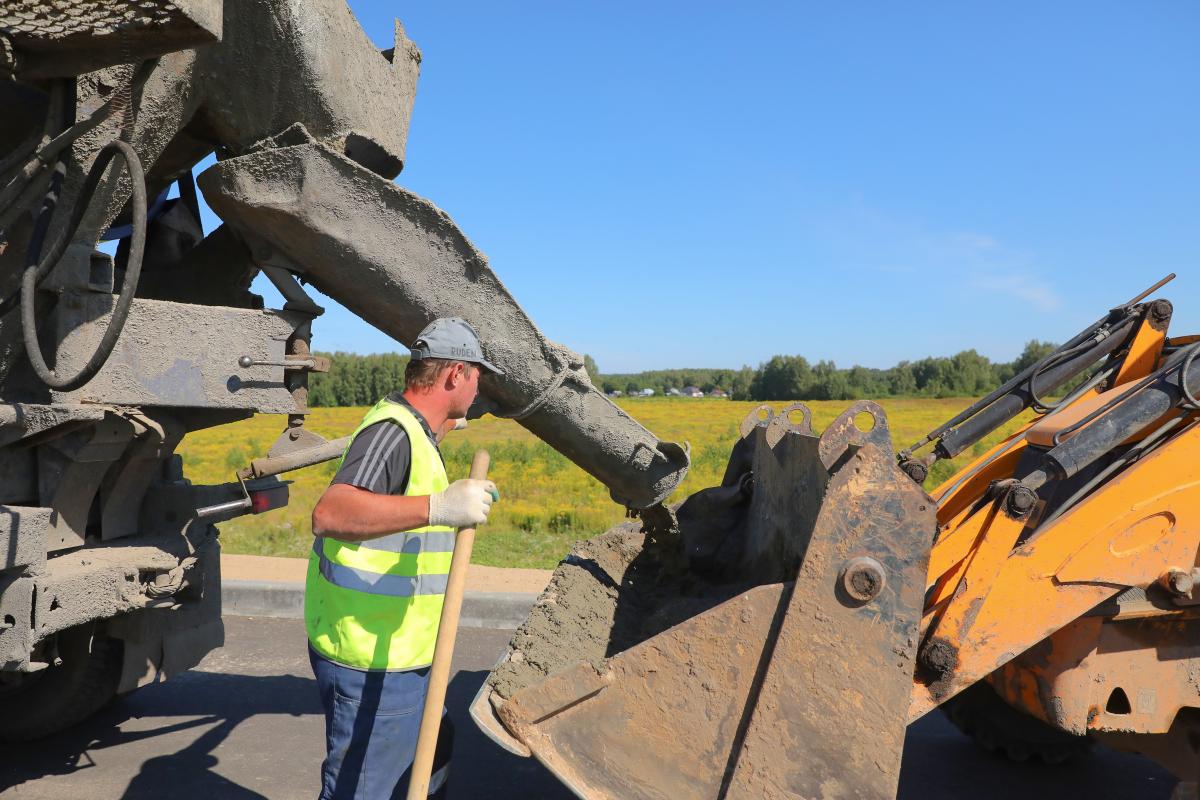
546,501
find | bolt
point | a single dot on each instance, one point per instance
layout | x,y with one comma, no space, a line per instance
914,469
939,657
1020,501
863,578
1160,314
1179,582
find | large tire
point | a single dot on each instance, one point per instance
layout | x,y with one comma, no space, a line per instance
980,713
46,702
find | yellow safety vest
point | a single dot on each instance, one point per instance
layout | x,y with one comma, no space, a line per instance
376,604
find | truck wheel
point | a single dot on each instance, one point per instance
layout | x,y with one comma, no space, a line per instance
980,713
42,703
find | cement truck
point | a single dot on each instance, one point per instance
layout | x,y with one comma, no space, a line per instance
109,568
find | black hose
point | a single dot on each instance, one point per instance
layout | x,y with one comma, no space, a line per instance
1051,377
18,156
15,194
59,134
1110,321
1192,403
1083,339
1095,414
1134,453
1035,400
1054,359
1134,412
36,270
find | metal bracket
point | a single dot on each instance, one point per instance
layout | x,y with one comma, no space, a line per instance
310,364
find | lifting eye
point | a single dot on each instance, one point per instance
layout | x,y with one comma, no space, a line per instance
864,421
1118,702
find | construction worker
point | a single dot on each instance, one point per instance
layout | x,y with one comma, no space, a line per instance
384,533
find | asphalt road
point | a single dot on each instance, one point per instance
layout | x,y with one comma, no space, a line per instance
247,724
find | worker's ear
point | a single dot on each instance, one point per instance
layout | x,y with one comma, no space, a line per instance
456,375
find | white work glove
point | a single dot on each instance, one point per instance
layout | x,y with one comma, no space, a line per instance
463,504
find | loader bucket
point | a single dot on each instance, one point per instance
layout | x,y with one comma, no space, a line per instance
761,646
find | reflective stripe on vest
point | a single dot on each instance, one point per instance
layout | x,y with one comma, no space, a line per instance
376,604
362,580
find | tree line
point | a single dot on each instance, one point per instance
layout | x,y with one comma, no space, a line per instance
793,377
355,380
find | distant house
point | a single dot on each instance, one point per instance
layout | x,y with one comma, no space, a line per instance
718,392
692,391
616,393
647,392
672,392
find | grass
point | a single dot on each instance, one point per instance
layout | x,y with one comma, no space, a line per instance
546,502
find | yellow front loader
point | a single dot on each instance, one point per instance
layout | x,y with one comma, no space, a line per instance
775,635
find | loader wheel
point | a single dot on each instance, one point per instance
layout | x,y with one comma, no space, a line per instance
42,703
980,713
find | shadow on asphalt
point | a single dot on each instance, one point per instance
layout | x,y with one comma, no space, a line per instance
205,697
481,768
938,762
218,703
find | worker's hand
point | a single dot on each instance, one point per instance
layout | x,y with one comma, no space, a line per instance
464,503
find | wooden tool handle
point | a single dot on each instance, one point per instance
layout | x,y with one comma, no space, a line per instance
443,650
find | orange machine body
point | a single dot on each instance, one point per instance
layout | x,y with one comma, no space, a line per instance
1086,621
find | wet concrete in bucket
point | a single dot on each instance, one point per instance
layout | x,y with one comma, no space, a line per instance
609,594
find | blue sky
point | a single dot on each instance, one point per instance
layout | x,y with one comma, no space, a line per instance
676,184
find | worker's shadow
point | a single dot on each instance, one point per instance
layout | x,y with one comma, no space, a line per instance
480,767
223,703
214,705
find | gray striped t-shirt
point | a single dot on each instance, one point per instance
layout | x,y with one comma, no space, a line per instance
380,456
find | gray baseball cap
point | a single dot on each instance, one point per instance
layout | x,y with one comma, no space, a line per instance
452,339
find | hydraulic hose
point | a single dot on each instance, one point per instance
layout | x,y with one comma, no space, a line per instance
1185,379
1035,400
1131,415
37,268
58,135
948,431
1075,361
21,187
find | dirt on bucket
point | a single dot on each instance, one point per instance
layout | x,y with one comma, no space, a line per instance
610,593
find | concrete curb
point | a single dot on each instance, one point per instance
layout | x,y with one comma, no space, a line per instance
247,598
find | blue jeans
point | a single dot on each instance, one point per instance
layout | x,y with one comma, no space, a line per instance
371,723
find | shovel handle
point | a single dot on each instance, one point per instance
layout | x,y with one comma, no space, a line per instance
443,650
